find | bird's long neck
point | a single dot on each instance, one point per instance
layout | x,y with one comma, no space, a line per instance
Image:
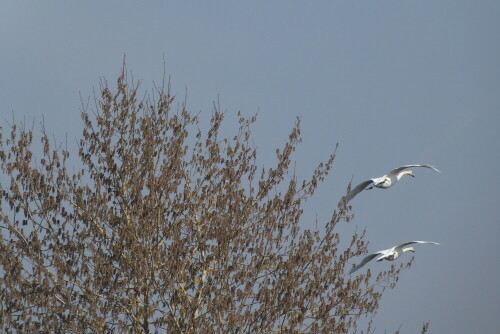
405,172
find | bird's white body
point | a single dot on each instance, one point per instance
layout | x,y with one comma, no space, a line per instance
390,254
385,181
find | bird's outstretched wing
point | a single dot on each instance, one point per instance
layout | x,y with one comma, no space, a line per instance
359,188
367,259
396,171
400,247
418,242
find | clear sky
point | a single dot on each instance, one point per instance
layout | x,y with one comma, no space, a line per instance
393,82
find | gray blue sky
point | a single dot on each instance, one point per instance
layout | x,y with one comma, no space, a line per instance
393,82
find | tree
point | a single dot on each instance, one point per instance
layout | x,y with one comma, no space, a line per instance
164,227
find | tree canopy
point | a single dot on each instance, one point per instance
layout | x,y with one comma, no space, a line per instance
165,226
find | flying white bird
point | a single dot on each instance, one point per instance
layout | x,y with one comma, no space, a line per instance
385,181
391,254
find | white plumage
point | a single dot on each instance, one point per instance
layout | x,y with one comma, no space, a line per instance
385,181
390,254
